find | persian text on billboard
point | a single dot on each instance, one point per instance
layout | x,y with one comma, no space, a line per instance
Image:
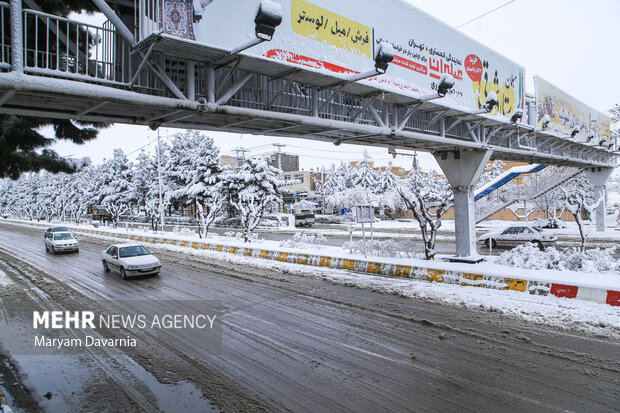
341,37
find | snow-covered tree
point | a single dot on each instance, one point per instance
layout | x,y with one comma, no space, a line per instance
491,171
427,196
390,201
251,190
615,124
580,201
337,178
117,190
350,197
386,179
207,213
81,192
364,175
145,177
193,168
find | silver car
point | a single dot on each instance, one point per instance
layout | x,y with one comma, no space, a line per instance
61,242
130,259
518,234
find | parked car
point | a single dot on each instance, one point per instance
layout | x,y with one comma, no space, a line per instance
518,234
304,219
130,259
48,232
61,242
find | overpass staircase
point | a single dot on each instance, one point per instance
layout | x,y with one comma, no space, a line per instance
505,196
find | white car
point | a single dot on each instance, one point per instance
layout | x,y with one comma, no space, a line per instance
130,259
61,242
517,234
48,232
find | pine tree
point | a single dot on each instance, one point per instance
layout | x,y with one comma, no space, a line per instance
251,190
22,147
364,175
117,190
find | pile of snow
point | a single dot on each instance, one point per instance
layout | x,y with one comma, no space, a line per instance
387,248
528,256
301,240
184,231
330,219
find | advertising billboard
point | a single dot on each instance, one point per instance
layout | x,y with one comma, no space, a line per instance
342,37
567,115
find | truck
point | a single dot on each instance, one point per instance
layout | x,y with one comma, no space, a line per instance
100,213
304,219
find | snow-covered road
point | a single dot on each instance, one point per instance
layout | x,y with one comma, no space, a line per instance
309,342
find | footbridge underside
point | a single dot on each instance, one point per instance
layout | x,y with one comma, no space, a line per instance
162,80
307,111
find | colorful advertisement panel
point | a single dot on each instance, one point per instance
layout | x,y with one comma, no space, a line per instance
341,37
567,114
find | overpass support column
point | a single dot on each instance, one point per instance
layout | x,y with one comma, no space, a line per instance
598,177
462,169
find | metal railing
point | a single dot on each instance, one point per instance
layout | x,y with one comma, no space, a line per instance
148,18
5,42
56,46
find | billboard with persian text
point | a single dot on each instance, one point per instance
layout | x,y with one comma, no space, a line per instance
341,37
567,114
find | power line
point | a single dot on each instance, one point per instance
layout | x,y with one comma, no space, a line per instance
149,143
487,13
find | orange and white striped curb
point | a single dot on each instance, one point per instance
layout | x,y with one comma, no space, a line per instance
427,273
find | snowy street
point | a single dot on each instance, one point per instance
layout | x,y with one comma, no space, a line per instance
310,343
309,206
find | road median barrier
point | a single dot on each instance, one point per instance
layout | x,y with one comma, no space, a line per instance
416,272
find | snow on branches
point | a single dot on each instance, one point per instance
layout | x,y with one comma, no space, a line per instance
580,201
250,191
427,196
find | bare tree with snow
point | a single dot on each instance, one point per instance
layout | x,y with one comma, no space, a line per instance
580,201
428,197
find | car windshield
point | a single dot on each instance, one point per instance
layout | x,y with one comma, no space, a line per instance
59,229
62,236
537,229
133,251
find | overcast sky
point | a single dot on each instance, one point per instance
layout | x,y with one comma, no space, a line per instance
571,43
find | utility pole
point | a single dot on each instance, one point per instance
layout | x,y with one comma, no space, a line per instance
161,203
278,153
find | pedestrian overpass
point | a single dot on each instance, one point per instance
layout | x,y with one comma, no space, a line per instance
122,72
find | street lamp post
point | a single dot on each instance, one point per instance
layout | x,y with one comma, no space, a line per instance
161,203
